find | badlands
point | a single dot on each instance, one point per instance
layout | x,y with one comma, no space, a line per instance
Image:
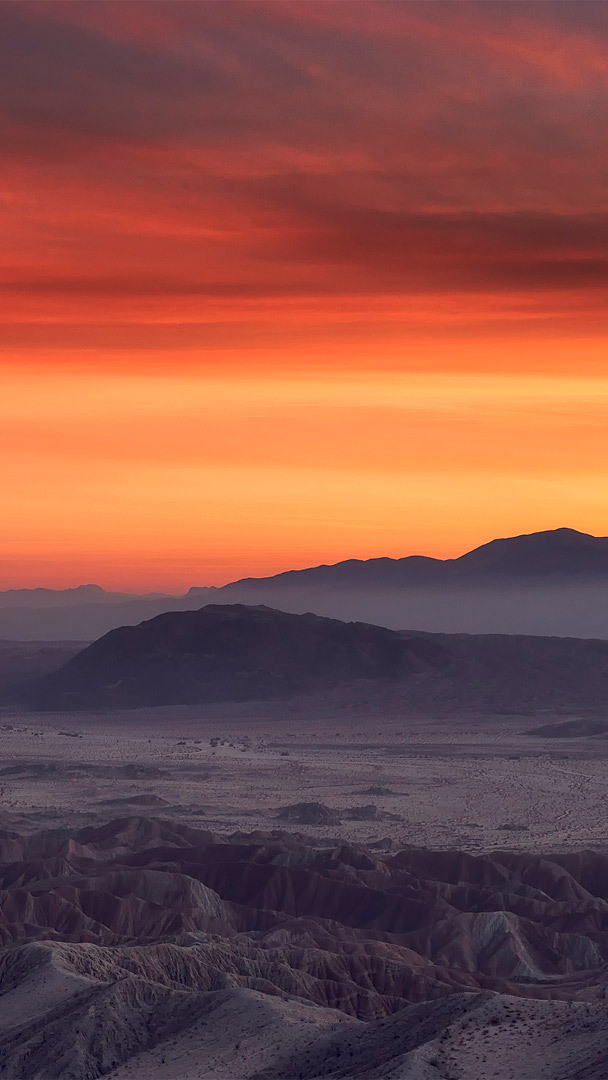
302,889
400,877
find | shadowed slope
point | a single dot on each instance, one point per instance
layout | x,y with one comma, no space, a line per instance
238,653
174,951
231,653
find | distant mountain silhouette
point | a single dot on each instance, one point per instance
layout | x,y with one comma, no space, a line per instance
558,554
239,653
553,582
53,598
555,554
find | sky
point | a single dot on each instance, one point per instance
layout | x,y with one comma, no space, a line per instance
285,283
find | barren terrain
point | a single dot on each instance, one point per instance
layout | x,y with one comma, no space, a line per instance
237,892
476,783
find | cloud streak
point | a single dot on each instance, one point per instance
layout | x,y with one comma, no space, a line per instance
269,191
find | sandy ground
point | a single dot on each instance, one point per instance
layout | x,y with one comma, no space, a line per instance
475,783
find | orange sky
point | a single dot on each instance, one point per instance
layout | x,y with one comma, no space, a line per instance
287,283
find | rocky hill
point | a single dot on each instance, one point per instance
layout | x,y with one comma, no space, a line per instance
231,653
240,653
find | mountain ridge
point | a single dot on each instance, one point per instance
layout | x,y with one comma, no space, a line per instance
486,590
542,545
546,541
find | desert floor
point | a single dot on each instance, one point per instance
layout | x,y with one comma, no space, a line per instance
476,783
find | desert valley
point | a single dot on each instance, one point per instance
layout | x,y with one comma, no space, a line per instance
242,843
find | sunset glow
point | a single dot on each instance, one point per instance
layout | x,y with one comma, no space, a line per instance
289,283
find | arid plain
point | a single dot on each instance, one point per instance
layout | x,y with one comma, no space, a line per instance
474,782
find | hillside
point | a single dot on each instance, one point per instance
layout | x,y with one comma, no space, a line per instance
239,653
231,653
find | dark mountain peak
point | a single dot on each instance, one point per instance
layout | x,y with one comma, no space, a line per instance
552,552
